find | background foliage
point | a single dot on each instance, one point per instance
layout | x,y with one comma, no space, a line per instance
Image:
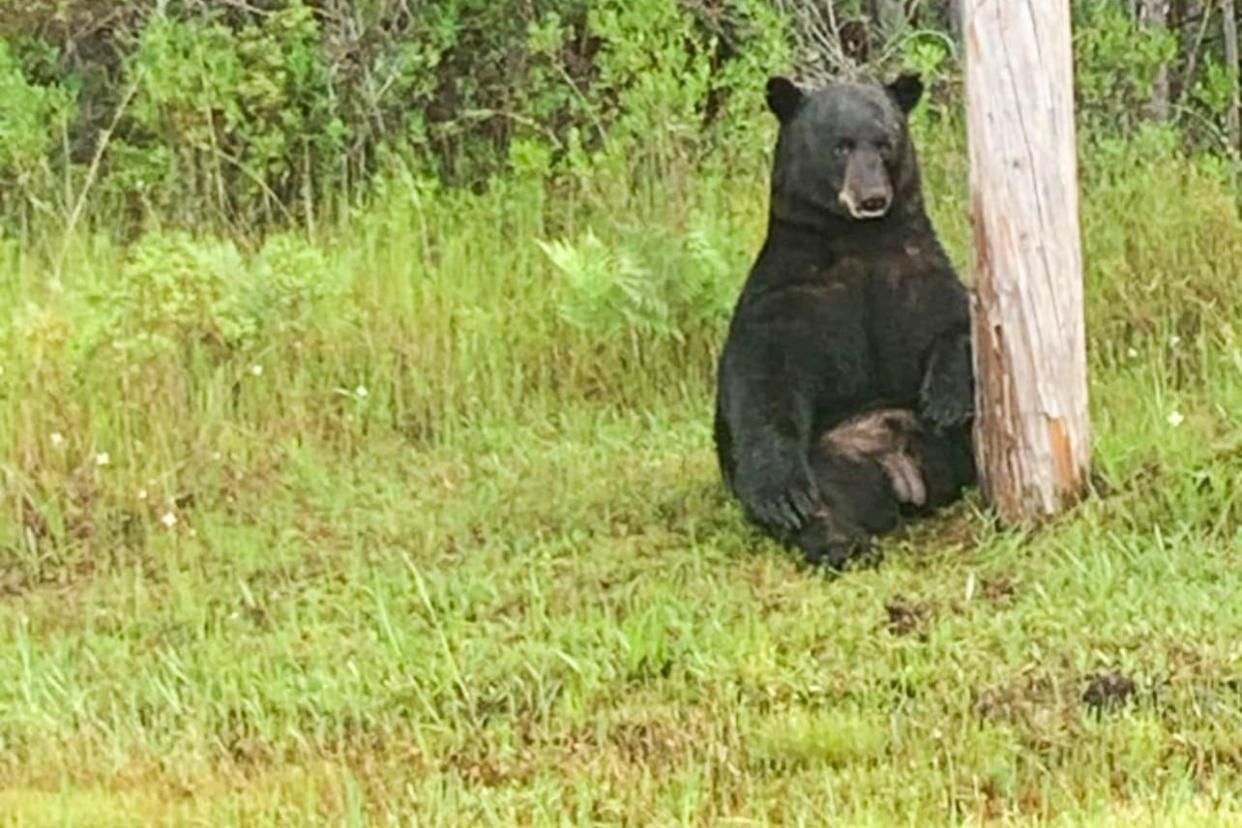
243,115
356,372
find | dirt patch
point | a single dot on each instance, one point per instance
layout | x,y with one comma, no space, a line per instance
1017,701
483,765
999,589
650,742
953,530
907,617
1108,691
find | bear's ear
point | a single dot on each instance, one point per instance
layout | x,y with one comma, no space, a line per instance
907,90
784,98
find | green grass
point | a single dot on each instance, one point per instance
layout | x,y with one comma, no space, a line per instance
413,547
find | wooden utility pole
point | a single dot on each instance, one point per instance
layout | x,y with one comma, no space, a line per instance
1233,119
1154,15
1032,428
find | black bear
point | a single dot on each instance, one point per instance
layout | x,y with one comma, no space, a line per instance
845,388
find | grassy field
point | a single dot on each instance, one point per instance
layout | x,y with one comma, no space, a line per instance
418,522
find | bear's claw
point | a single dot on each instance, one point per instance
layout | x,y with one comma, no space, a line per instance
785,504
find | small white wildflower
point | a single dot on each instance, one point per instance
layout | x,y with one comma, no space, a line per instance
58,439
1132,353
1174,341
169,520
215,455
1175,418
102,459
361,391
142,494
256,369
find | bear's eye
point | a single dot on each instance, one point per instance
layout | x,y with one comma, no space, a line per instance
884,146
843,147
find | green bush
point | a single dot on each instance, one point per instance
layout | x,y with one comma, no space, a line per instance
32,119
241,117
289,112
175,293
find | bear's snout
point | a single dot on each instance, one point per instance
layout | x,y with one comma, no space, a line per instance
866,192
875,204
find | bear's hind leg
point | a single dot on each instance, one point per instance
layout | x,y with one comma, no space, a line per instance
863,475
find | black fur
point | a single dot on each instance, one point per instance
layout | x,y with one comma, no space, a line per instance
842,315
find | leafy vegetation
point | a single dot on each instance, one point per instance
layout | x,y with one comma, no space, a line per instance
369,478
239,116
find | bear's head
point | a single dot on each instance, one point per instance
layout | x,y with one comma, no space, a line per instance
844,150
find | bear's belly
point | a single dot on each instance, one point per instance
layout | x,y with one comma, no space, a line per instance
899,357
908,309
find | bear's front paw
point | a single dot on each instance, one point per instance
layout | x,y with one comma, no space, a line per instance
946,401
947,396
828,544
947,411
784,499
